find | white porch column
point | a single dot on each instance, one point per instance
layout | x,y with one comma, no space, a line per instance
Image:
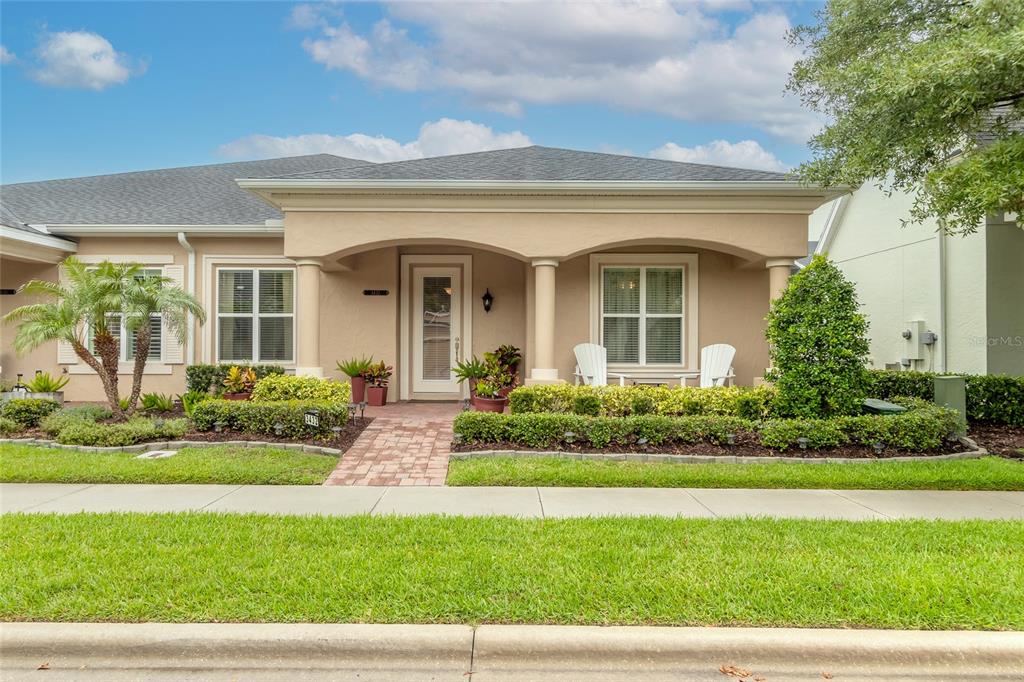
778,276
544,369
307,361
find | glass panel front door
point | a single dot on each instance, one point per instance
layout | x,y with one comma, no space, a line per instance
436,328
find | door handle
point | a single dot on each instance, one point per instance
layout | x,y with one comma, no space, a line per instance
458,355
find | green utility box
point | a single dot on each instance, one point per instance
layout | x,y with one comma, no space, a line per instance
876,406
951,392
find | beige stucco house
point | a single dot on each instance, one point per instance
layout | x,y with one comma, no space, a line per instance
305,261
912,279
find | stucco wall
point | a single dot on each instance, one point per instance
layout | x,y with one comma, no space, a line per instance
1005,311
896,270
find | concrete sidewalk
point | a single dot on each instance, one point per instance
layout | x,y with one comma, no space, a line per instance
156,651
522,502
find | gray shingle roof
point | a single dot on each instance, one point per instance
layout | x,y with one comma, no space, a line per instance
539,164
193,195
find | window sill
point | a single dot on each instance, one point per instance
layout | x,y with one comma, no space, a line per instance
125,368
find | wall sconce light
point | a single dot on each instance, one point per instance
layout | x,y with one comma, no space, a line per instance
488,300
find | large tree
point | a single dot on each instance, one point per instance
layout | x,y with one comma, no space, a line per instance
922,96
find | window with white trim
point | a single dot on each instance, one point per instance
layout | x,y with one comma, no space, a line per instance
126,340
255,315
643,314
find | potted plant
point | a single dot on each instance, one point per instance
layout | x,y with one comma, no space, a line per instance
471,370
509,357
42,386
238,383
354,369
377,376
500,372
488,396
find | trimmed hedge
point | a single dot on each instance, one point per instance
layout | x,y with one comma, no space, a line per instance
623,401
81,431
285,387
991,398
259,418
544,430
917,430
28,411
202,378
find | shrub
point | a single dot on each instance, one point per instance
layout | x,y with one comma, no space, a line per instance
283,387
54,423
545,430
260,417
991,398
201,378
28,411
137,430
917,430
818,341
189,400
156,402
621,401
9,426
44,382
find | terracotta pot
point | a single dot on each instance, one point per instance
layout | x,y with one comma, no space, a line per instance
483,404
358,389
376,396
503,393
235,396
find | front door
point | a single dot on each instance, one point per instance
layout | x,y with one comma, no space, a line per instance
436,342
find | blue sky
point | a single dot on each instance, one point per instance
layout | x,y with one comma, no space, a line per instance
90,88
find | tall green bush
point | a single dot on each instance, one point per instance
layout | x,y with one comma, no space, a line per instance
819,344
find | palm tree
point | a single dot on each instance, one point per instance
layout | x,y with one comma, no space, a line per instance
144,298
87,299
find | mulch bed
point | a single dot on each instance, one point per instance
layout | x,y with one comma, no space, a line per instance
747,445
348,435
1006,441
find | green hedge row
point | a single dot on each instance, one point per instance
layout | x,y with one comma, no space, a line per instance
991,398
542,430
917,430
285,387
28,412
623,401
260,418
203,378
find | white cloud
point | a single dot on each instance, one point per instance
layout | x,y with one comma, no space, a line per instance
675,59
80,59
6,56
743,154
436,138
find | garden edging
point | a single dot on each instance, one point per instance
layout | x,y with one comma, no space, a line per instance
974,452
174,445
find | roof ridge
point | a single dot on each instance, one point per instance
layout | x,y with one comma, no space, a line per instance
178,168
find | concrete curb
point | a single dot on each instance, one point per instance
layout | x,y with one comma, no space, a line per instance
175,445
516,651
974,452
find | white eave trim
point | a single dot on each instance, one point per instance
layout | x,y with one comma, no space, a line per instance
143,230
530,186
38,239
835,217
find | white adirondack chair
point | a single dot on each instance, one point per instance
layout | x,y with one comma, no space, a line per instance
716,365
592,365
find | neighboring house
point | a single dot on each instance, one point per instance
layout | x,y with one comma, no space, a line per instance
968,291
305,261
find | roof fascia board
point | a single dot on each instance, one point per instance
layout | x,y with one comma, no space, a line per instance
530,186
142,230
835,218
38,239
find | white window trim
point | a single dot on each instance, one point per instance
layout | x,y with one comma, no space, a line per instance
210,264
255,315
689,263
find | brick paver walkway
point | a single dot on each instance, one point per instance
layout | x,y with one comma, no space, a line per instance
406,444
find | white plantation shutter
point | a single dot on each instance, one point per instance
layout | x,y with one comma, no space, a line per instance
276,302
664,321
642,314
173,350
65,353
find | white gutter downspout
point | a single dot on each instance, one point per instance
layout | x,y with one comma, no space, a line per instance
191,288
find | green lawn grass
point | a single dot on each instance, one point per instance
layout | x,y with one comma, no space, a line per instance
31,464
763,572
989,473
